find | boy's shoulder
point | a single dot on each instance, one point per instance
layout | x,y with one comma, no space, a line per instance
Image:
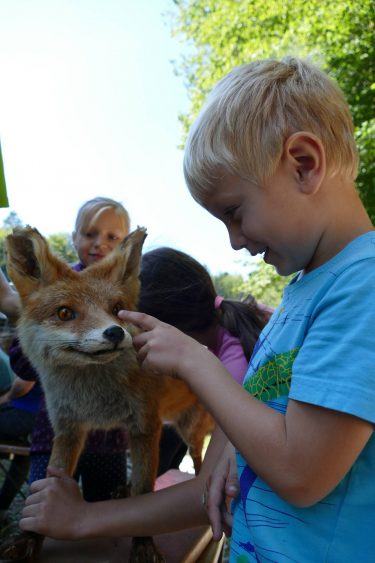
359,253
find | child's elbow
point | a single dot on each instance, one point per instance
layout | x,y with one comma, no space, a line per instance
302,493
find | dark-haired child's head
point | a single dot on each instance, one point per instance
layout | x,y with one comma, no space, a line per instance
177,289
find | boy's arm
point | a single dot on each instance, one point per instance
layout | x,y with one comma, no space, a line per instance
302,455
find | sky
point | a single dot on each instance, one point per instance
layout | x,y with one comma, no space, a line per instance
89,105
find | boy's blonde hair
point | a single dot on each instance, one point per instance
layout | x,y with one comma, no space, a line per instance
87,211
253,110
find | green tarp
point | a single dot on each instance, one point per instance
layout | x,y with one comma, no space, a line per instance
3,188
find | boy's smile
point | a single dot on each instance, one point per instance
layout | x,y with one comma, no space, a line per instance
272,220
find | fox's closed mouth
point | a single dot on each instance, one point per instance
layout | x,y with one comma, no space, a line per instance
96,353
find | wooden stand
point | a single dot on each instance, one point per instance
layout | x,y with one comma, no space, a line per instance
188,546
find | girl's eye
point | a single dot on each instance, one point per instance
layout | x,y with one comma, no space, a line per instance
112,237
66,314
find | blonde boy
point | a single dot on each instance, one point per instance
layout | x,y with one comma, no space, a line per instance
272,155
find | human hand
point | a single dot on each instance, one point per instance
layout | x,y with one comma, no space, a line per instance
161,347
221,487
55,508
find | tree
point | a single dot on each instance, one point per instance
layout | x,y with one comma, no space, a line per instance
337,35
229,285
265,284
61,244
12,221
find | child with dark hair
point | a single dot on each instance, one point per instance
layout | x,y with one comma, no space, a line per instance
178,290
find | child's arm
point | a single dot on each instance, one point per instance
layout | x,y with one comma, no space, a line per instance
9,299
19,388
302,455
57,509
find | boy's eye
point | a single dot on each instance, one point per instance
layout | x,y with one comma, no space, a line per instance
66,314
230,213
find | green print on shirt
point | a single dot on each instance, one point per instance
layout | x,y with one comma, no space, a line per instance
272,380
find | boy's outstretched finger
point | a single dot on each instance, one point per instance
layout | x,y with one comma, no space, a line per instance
140,320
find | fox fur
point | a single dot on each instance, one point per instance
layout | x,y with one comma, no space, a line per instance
69,329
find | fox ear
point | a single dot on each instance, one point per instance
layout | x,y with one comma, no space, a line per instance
30,263
123,264
132,246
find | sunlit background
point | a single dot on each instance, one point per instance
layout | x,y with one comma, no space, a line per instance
89,105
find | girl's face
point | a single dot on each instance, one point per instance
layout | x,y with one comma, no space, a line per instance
104,231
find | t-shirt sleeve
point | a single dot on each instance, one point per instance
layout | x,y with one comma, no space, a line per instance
20,364
335,366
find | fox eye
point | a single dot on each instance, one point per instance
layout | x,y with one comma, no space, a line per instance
65,314
116,309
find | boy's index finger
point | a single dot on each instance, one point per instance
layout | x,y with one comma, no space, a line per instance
140,320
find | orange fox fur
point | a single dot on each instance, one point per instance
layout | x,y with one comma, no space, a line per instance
83,353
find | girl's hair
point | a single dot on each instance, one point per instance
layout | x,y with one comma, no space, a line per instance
250,113
178,290
87,211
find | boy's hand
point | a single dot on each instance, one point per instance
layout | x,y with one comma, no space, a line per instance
160,347
222,486
55,508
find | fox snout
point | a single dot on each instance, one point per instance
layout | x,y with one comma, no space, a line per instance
114,334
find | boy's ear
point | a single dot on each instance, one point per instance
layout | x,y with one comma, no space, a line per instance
305,153
30,263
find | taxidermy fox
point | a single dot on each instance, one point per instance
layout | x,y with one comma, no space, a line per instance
83,353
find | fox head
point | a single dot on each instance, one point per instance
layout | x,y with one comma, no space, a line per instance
69,317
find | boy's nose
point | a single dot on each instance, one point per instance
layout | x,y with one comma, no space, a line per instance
237,240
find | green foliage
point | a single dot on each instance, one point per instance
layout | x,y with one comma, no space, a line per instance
61,244
12,221
228,285
265,284
339,36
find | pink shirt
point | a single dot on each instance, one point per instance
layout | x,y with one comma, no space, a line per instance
231,354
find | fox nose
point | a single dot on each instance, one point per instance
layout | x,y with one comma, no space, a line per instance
114,334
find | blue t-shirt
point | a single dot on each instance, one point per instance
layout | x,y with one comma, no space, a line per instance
319,348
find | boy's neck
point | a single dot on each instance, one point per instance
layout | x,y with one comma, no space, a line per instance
346,219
